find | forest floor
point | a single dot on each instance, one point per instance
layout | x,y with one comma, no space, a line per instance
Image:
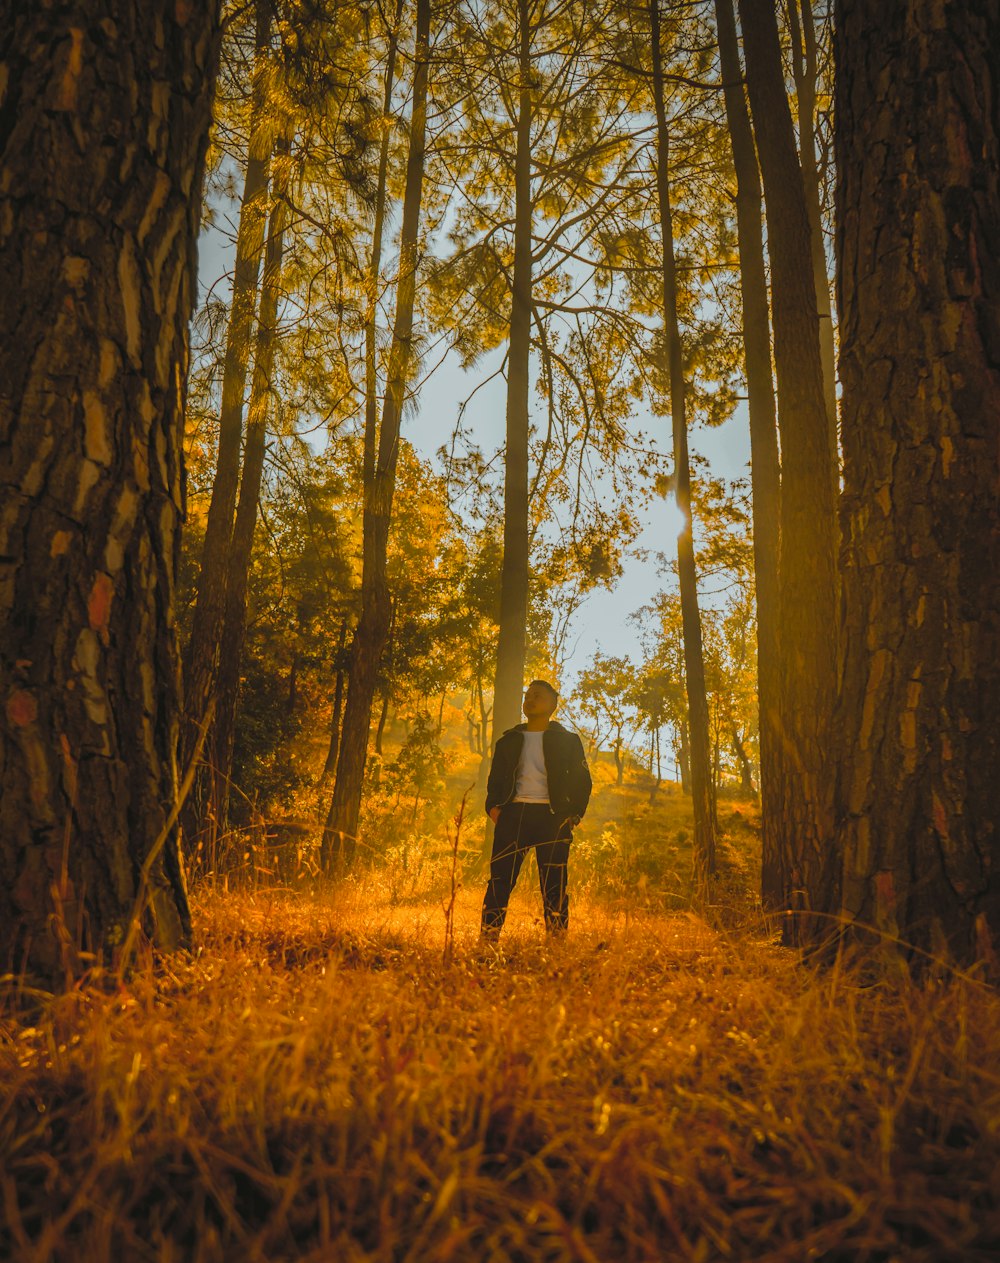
348,1075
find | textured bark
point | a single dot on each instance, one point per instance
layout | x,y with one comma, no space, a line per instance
371,635
807,588
700,753
241,546
512,639
201,657
918,242
103,127
765,476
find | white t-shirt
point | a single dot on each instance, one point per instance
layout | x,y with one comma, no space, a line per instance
532,785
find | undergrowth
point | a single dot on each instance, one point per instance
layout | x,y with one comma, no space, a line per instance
332,1077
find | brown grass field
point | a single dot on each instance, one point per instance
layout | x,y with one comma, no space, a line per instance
347,1075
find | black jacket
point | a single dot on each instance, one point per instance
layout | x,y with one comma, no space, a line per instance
565,769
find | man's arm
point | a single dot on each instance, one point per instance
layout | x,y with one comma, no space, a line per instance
582,783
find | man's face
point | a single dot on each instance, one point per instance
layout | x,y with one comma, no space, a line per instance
538,701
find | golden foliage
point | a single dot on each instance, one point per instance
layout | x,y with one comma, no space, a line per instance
317,1083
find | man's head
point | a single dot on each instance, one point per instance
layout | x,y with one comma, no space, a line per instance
540,700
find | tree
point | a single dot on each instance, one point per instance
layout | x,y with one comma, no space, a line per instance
756,328
918,233
372,630
103,136
694,665
807,578
605,696
202,652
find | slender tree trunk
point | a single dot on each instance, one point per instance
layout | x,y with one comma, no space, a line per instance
241,548
513,635
375,265
746,771
97,258
804,74
763,443
619,762
684,758
694,665
383,715
333,750
807,585
340,834
918,237
201,655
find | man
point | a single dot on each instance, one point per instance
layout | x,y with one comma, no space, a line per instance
538,789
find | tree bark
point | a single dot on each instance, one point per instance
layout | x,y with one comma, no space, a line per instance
241,547
340,833
694,664
201,656
918,238
513,622
765,474
106,109
804,73
807,585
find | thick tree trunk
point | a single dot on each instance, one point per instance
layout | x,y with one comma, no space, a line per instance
201,656
241,547
340,833
807,585
513,631
694,664
763,442
918,238
106,108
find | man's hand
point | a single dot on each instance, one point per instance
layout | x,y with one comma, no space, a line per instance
494,814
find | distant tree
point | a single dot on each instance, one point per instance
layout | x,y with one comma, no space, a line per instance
102,140
918,237
604,694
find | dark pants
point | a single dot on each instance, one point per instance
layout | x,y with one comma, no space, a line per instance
520,827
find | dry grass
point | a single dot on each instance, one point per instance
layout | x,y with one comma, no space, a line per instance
318,1083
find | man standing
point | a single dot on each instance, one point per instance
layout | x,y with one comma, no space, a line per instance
538,789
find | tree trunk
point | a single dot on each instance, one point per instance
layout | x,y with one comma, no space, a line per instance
804,73
619,762
807,588
683,758
513,629
763,442
746,771
918,236
383,715
330,767
241,548
201,655
371,634
694,665
97,256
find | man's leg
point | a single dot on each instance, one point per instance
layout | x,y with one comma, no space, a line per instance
505,864
553,863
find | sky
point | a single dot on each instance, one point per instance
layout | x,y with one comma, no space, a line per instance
602,621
